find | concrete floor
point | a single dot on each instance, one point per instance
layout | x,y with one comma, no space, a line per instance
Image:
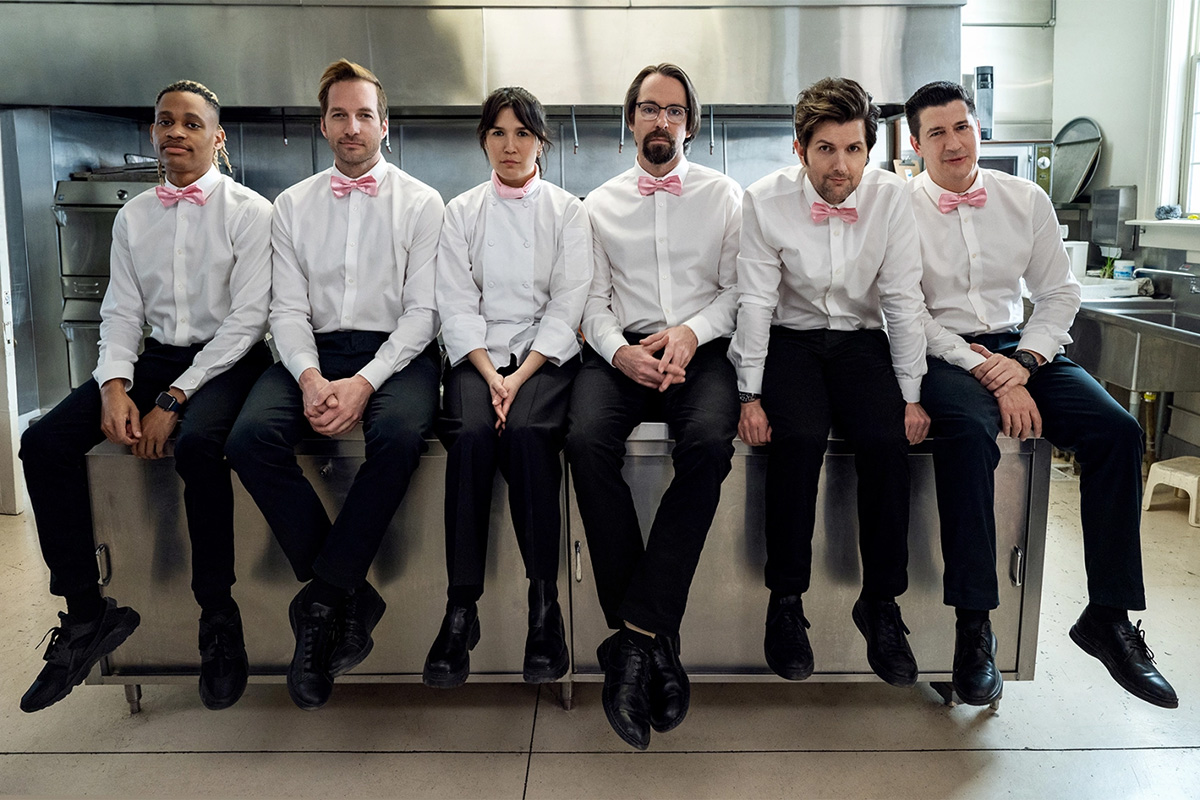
1070,733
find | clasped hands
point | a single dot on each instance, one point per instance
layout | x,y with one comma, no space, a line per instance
333,407
640,364
122,424
1006,379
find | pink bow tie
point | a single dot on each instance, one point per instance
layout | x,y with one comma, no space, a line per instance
950,201
343,186
169,195
671,183
822,211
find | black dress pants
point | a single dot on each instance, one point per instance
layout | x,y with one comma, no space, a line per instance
647,584
814,379
527,454
396,420
53,452
1077,415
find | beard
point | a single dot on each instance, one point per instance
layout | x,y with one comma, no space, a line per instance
658,149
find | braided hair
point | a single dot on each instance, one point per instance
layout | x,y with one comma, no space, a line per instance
207,95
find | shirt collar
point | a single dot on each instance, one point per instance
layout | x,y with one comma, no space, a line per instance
811,195
206,182
377,172
681,169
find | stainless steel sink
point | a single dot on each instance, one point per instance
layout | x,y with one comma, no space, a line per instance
1141,344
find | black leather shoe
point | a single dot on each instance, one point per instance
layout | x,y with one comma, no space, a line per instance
975,679
789,655
449,661
670,689
546,656
315,627
359,616
74,649
888,652
626,694
1122,649
223,663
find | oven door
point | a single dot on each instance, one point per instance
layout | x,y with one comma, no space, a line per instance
85,238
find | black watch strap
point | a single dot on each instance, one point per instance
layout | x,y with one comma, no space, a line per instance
1027,360
167,402
748,397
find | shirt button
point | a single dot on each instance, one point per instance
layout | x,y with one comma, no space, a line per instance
350,244
491,284
837,233
183,320
525,204
491,243
179,286
350,281
179,252
974,255
527,244
525,284
493,202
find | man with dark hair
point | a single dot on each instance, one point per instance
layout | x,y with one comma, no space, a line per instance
984,233
661,305
192,261
810,350
354,321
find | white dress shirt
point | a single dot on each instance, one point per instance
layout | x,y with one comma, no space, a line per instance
976,258
193,274
513,274
355,263
663,260
829,275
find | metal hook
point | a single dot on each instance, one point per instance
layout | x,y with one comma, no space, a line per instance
574,130
621,145
283,121
387,139
712,130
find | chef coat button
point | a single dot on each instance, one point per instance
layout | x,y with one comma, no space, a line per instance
525,284
491,243
527,244
491,284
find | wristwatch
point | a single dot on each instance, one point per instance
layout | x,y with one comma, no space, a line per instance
1027,360
167,402
748,397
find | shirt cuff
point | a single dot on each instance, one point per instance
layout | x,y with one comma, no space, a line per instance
555,340
189,381
376,372
910,388
1044,346
297,364
750,379
702,328
609,345
966,358
114,369
461,335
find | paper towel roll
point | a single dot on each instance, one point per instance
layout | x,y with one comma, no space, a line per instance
1078,253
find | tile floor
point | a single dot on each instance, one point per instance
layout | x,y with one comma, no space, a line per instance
1070,733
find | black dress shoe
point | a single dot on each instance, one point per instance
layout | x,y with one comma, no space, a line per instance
670,689
74,649
888,652
315,626
789,655
223,663
1122,649
449,661
546,656
359,616
975,678
626,694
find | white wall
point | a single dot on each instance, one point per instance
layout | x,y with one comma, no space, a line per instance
1109,65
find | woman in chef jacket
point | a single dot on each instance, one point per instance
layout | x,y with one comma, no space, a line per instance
514,266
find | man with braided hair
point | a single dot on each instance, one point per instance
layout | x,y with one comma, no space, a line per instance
192,261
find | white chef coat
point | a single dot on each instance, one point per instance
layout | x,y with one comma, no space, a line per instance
513,274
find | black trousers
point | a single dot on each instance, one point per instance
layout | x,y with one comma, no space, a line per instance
647,584
1077,415
812,380
397,418
527,454
53,451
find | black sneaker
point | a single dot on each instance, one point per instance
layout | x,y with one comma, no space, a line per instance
888,652
1123,651
314,625
786,647
360,614
74,649
224,667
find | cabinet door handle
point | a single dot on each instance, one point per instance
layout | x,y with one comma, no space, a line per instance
1016,566
103,564
578,562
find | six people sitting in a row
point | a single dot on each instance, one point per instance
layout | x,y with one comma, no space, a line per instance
825,294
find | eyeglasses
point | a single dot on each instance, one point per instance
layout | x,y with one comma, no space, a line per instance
649,112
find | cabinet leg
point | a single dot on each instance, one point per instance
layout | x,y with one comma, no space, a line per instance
133,696
566,697
946,691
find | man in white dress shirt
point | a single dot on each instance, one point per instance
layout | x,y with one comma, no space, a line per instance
828,255
982,233
192,261
661,305
354,321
